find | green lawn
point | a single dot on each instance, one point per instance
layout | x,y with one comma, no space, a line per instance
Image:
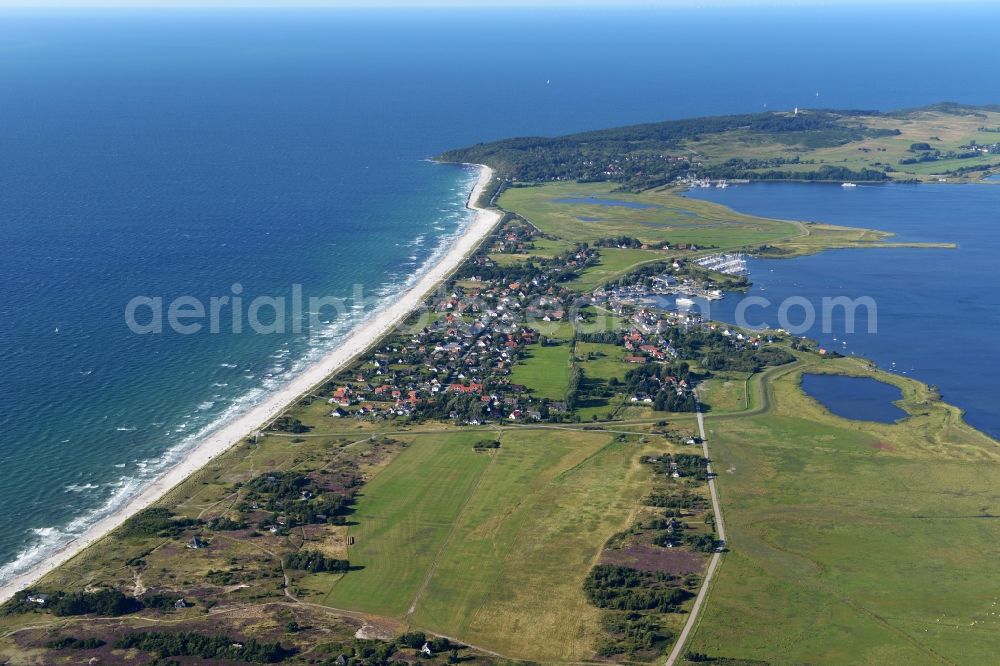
545,371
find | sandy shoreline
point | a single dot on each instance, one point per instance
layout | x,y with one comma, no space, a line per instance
234,432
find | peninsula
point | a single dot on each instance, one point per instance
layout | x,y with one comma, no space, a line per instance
538,466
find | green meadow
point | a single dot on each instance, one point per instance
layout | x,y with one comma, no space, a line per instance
664,216
545,370
882,535
493,546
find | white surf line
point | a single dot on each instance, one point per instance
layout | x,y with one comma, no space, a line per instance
713,564
257,417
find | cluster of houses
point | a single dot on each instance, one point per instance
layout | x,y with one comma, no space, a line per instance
476,334
640,348
516,237
641,289
456,362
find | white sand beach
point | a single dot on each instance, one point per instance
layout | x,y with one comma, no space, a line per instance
235,431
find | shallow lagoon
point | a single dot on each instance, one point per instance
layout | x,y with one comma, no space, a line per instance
857,398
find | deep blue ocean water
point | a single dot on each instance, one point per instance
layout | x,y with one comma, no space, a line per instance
170,153
858,398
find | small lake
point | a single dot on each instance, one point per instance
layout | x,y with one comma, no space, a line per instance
857,398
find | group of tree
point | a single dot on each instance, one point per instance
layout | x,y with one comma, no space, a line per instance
157,521
192,644
619,241
642,156
107,603
417,639
375,652
286,423
681,499
161,601
315,562
650,378
674,400
573,383
225,524
633,634
624,588
601,337
689,465
298,498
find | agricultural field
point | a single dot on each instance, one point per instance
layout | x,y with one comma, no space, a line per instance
601,361
493,545
876,532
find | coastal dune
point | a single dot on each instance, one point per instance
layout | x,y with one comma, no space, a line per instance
230,434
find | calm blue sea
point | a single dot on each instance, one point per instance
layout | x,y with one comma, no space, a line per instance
179,153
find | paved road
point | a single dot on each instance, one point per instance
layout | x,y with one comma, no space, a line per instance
713,563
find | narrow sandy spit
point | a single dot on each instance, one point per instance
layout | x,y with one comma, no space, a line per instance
234,432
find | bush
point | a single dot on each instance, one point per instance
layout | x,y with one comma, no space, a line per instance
160,601
156,521
413,639
70,643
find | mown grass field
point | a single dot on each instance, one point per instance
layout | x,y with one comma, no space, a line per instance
881,535
545,370
493,546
